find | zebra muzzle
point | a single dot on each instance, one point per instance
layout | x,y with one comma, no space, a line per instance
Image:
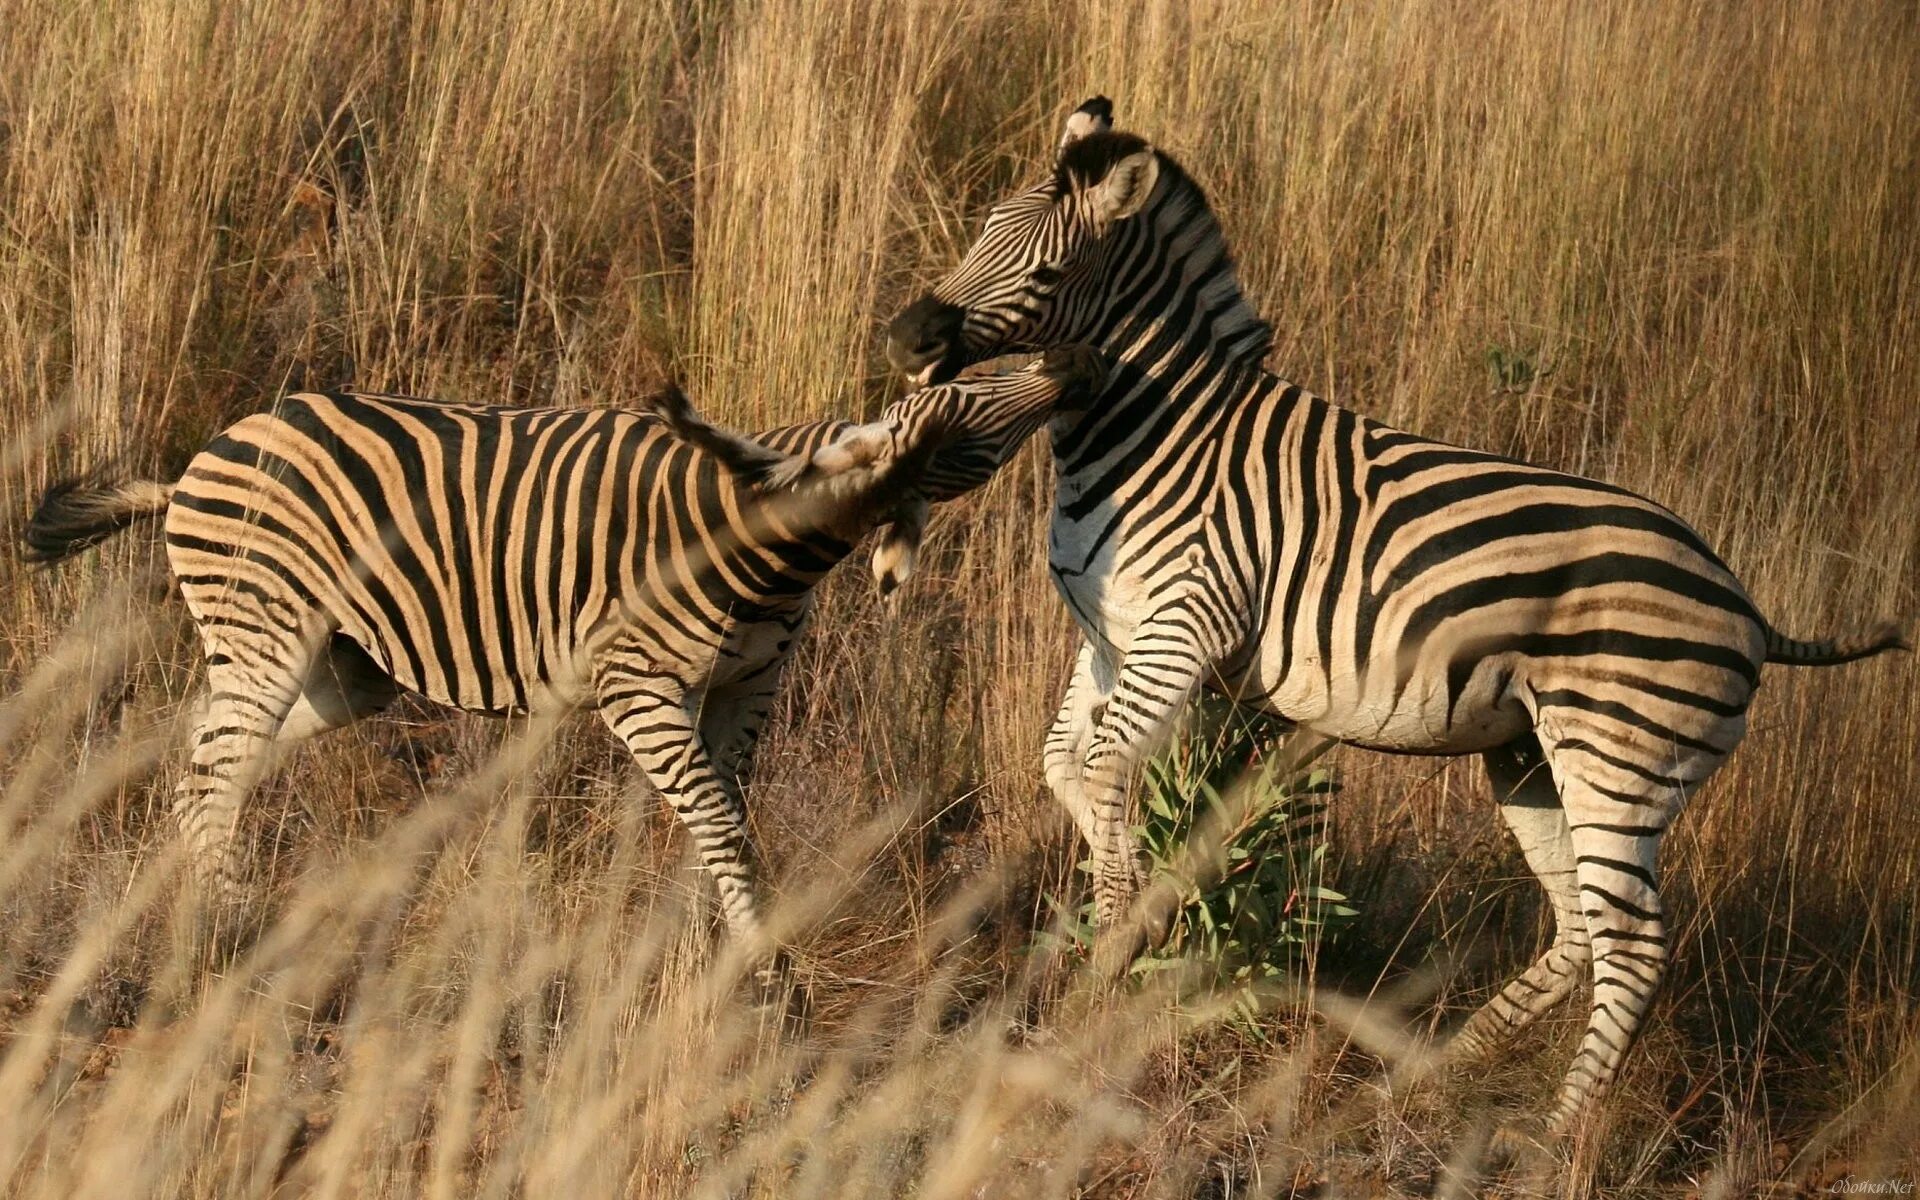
923,341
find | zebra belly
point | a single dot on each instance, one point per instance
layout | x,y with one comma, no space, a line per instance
1428,717
557,680
743,652
1394,704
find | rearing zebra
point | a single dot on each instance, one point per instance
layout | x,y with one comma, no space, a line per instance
1217,526
343,547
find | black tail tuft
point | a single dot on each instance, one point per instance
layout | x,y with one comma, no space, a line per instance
87,510
1783,649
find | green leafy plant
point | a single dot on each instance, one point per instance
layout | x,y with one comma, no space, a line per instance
1240,840
1514,371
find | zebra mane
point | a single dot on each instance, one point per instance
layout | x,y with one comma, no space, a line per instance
1087,160
855,459
745,459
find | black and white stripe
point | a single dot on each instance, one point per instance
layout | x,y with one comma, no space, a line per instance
344,547
1217,526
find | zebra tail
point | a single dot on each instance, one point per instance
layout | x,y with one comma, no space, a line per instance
745,459
1783,649
87,510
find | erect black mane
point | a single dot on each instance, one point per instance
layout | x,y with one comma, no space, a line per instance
1088,160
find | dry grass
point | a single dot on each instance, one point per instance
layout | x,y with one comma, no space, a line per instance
477,963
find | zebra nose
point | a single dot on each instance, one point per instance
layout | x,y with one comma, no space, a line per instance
924,340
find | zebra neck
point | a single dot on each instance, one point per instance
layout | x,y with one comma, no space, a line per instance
768,548
1186,342
1161,394
770,553
1175,293
804,438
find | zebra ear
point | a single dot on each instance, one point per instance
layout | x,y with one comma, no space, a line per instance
894,557
1095,116
1128,184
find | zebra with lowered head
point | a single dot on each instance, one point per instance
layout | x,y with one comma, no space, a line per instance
343,547
1218,526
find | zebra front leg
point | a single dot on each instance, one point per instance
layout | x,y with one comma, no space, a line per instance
1530,804
730,725
1067,740
1157,679
658,721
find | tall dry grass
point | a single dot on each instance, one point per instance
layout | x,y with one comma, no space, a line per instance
1673,244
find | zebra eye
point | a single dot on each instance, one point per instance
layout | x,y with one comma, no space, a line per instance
1045,277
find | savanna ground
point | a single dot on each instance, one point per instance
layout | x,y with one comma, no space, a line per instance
1676,245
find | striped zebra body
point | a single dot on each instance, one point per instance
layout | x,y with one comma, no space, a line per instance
345,547
1217,526
483,557
1325,572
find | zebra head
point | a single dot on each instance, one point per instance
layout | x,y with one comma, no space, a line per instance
959,433
1040,273
934,445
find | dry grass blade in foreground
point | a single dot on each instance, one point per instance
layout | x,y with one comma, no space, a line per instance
1672,245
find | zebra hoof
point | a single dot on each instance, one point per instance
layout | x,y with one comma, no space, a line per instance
1157,909
1520,1144
1115,949
778,995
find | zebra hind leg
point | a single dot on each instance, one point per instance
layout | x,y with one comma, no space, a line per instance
650,714
1530,804
246,704
1620,792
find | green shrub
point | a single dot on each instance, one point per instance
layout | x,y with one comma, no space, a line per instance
1243,848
